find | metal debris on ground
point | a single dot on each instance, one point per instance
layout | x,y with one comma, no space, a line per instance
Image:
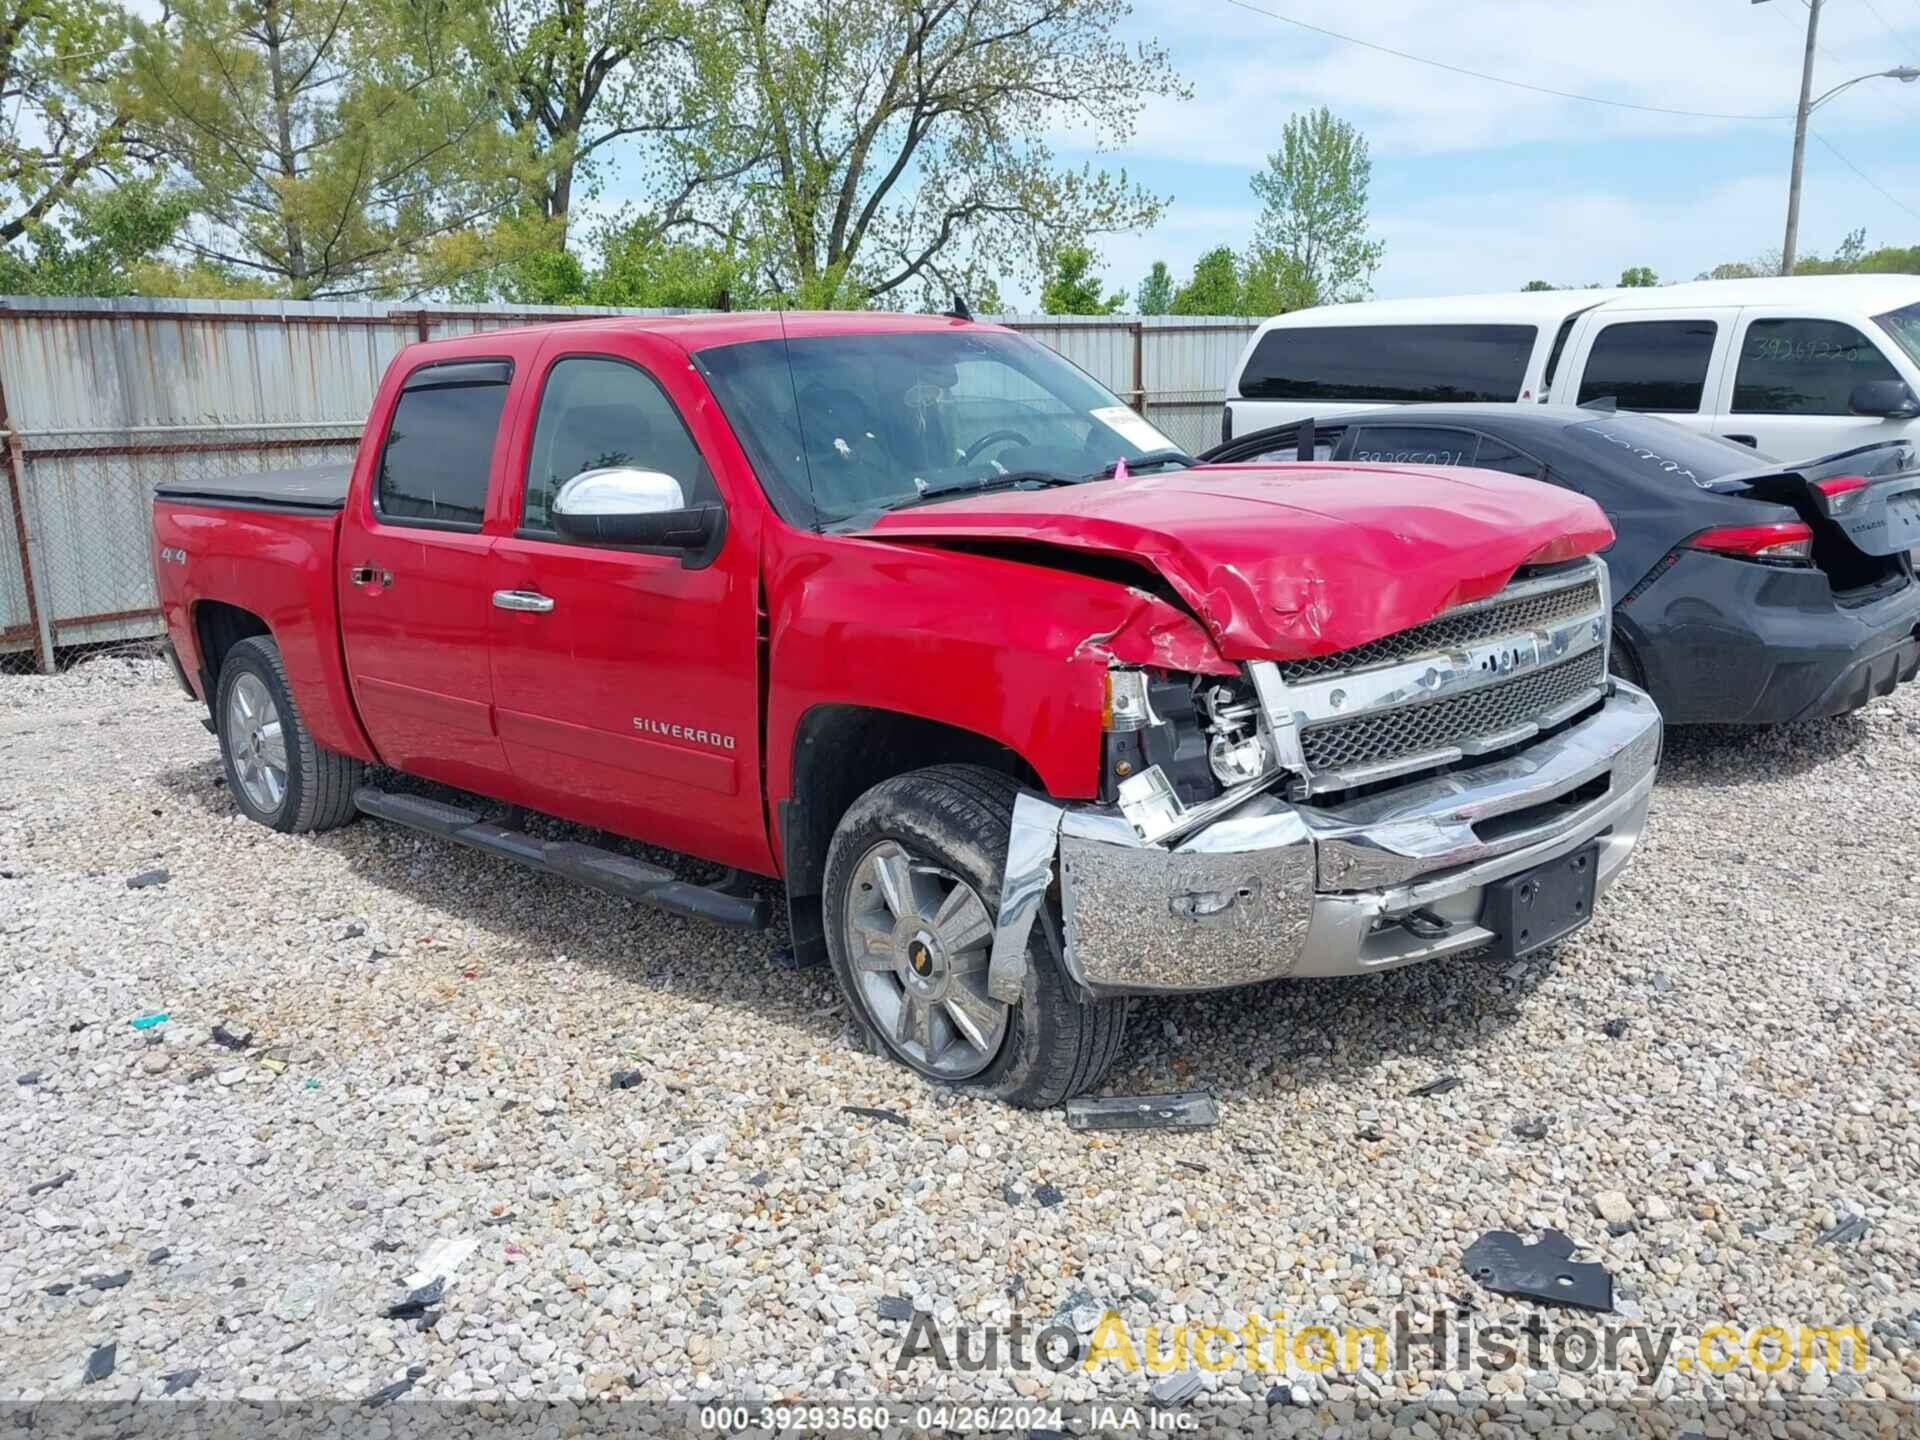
1545,1271
387,1393
1846,1232
418,1301
1615,1028
149,1020
1534,1129
54,1184
1174,1389
874,1112
225,1037
1436,1087
99,1363
895,1307
1181,1110
148,878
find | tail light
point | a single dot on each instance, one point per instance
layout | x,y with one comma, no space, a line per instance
1843,492
1788,542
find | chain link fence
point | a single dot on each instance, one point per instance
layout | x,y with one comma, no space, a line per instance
102,400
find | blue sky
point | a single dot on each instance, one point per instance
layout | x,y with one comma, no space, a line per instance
1477,186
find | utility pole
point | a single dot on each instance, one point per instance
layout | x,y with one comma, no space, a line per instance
1800,139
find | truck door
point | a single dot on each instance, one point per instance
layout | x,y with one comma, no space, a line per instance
1659,362
626,682
413,601
1791,380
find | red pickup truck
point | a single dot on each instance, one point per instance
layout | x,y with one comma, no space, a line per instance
1028,712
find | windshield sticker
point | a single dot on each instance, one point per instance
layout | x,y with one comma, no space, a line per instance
1131,428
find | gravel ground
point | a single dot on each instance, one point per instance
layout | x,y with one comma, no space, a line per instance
433,1035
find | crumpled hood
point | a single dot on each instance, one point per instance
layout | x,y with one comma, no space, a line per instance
1287,561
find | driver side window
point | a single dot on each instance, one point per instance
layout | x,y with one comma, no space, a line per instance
598,413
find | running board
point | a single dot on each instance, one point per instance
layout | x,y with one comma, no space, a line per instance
605,870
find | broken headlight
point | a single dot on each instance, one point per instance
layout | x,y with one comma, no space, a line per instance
1202,733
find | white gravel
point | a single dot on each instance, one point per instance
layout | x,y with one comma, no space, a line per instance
448,1026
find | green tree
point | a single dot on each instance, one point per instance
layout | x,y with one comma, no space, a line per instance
1639,277
574,78
1073,288
1533,285
1155,295
984,298
333,145
889,146
1213,288
100,244
1312,245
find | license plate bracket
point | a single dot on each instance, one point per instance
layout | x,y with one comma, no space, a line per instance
1541,905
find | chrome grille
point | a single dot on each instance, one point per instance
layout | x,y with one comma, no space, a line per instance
1458,627
1385,735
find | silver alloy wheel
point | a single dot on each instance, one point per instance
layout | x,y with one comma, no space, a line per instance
919,939
258,741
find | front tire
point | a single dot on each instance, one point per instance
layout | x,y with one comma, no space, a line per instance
912,888
275,773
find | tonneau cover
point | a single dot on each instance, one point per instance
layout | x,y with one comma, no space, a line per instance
311,487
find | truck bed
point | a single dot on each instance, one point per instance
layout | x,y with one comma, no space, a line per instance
317,488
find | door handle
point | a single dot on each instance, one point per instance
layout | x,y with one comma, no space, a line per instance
1750,441
369,575
531,601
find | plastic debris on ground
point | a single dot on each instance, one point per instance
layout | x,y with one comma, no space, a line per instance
149,1020
441,1259
1174,1389
1615,1029
626,1079
148,878
225,1037
895,1307
110,1282
1436,1087
1047,1196
1545,1271
388,1393
1535,1129
53,1184
179,1380
873,1112
418,1302
99,1364
1846,1232
1181,1110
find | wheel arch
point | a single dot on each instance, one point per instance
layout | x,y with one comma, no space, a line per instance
840,752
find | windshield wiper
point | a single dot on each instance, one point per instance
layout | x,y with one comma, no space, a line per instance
1168,456
1010,480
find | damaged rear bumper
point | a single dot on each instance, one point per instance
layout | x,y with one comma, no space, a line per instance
1275,890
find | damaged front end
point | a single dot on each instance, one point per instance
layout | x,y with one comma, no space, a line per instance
1435,791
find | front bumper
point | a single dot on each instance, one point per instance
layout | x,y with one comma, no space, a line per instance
1277,890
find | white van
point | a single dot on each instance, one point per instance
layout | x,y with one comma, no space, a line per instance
1805,365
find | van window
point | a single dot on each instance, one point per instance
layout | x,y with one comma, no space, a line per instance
1804,367
1656,365
438,453
1419,364
1559,347
1904,326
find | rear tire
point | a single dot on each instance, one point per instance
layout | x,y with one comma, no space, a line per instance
1622,662
912,888
275,772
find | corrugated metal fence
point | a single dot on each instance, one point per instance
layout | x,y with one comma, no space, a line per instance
101,399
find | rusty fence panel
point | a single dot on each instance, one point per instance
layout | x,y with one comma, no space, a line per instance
100,399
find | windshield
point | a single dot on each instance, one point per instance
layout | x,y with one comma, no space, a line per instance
1649,446
865,423
1904,326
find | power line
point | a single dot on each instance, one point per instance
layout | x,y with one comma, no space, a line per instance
1898,38
1898,204
1498,79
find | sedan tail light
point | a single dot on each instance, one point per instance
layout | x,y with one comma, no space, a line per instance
1842,491
1788,542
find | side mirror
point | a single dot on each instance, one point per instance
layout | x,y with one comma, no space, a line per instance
1890,399
621,506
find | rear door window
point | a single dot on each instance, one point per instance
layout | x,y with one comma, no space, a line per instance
1804,367
1417,364
438,452
1411,445
1654,365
